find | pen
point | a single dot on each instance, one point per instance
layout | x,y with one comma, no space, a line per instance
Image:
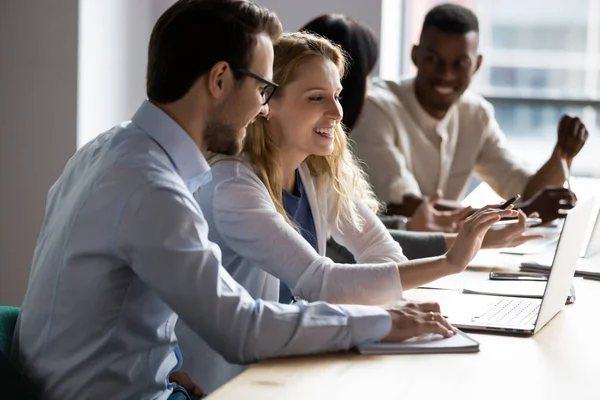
565,168
509,202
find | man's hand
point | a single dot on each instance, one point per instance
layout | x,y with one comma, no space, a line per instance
572,135
410,319
427,219
183,379
550,203
470,237
510,236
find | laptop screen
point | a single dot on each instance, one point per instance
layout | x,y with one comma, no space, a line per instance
563,267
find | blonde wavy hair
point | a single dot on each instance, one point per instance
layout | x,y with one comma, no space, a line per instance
339,169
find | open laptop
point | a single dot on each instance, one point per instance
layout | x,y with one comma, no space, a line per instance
528,316
593,246
543,245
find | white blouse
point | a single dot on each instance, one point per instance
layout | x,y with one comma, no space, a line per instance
259,248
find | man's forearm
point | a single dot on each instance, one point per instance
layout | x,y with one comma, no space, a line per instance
550,174
407,208
410,204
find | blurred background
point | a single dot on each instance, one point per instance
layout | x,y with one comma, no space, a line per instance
541,59
71,69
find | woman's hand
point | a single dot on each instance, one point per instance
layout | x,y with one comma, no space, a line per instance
510,236
472,233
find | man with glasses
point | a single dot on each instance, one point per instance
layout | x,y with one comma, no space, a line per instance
267,90
124,250
428,134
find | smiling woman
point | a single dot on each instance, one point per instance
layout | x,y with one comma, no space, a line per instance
303,126
296,183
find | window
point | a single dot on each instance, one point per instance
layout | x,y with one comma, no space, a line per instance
541,60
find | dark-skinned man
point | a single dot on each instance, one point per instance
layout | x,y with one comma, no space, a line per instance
426,135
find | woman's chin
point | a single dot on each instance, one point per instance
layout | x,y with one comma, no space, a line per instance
322,151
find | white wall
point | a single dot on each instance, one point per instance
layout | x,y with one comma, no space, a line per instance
294,13
61,56
38,109
113,47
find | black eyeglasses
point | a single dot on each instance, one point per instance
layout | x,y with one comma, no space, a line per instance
267,91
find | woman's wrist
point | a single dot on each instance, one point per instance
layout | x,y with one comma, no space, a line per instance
450,264
449,239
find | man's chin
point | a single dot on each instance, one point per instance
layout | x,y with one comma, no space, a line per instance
231,149
443,106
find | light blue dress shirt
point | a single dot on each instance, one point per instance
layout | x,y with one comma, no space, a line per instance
123,251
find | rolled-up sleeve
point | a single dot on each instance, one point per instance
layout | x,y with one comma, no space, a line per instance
163,236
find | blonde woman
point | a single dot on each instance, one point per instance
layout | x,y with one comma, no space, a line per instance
272,208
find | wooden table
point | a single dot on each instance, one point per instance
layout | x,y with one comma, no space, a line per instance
561,362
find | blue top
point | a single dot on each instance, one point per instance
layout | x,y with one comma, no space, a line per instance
123,252
298,209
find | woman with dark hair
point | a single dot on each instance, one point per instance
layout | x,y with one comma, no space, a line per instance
362,48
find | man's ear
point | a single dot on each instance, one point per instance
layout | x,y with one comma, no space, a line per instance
478,62
413,54
220,79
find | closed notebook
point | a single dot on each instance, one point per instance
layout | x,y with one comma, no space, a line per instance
586,268
426,344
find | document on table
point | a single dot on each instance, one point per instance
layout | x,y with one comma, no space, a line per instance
586,267
529,289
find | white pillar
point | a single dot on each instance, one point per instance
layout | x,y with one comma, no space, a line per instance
113,46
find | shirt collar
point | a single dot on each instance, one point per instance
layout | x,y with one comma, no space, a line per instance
423,116
181,149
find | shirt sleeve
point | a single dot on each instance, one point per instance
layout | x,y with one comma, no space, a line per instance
420,244
496,164
163,236
375,143
246,219
372,244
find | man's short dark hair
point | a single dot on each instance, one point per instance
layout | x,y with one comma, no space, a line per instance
451,18
193,35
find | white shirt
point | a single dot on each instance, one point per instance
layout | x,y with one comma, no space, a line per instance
406,151
260,248
123,252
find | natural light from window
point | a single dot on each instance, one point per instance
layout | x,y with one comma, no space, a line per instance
541,60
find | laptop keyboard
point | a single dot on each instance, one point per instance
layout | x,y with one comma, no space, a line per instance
510,312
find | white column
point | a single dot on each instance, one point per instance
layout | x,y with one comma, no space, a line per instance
113,46
391,37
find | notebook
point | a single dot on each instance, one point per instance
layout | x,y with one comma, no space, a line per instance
588,268
425,344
